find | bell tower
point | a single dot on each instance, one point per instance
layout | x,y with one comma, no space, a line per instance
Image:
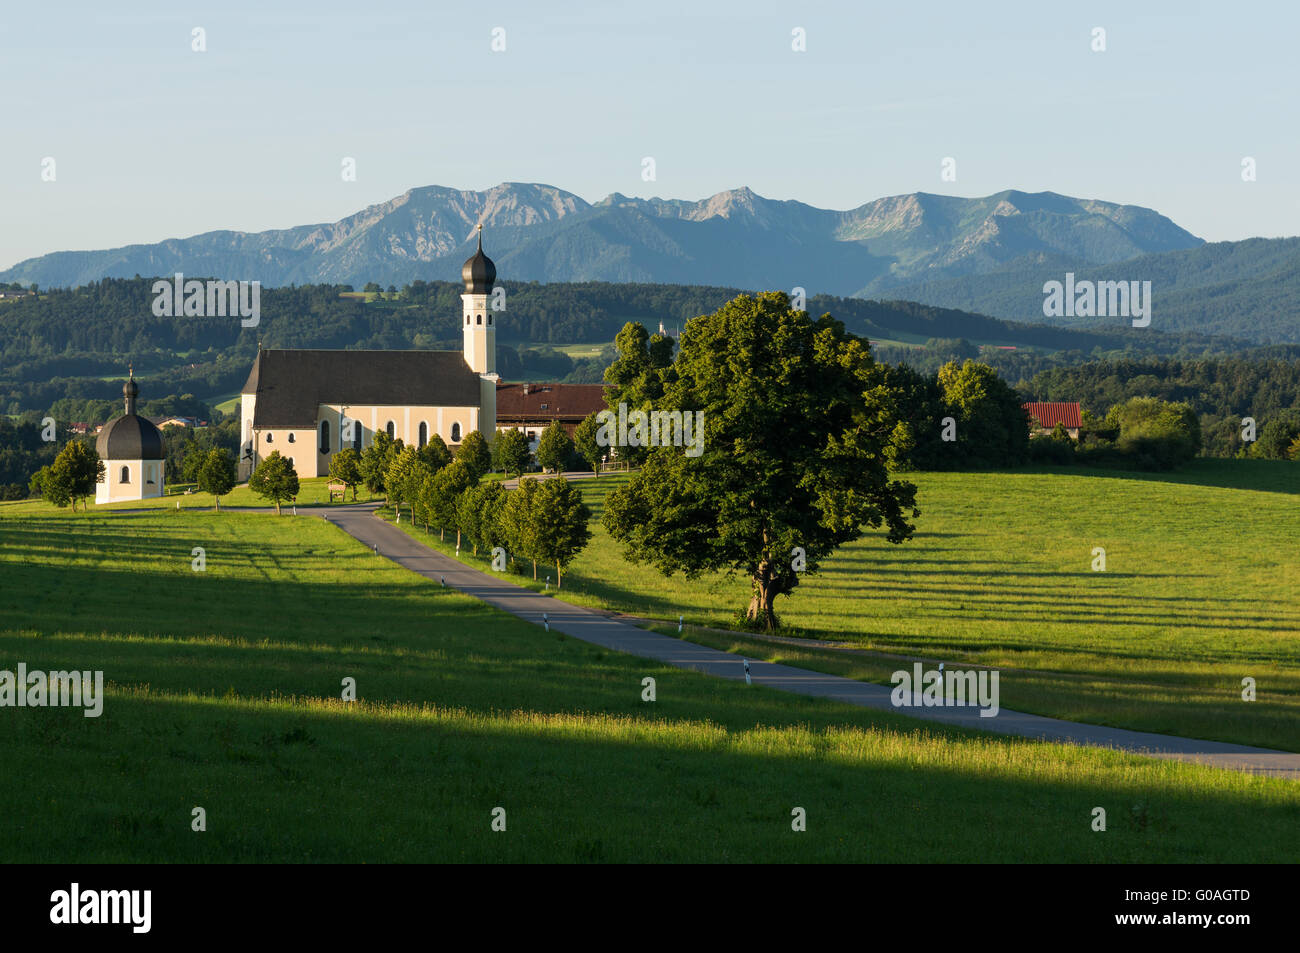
479,274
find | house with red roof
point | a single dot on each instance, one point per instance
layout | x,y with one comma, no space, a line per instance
1043,418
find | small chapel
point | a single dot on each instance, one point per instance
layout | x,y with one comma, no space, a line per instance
133,453
309,404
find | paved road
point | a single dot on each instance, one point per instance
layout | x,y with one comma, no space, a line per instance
590,626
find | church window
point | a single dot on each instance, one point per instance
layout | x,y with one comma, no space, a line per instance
480,319
291,438
489,320
324,436
356,435
126,475
467,319
424,434
268,437
544,406
455,433
392,429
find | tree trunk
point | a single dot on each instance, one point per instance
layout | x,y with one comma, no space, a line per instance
442,534
534,570
764,597
277,507
557,575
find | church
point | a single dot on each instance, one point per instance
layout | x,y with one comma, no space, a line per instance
133,453
309,404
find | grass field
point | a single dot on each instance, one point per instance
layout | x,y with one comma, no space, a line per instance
223,692
1201,590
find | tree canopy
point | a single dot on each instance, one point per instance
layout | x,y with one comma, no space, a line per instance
798,423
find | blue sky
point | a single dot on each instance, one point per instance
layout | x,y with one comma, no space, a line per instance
152,140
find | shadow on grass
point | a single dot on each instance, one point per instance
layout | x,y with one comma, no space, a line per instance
295,784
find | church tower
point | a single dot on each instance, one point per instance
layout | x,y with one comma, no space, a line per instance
479,274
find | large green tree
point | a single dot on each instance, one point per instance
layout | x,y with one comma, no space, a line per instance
1276,436
275,479
560,524
439,494
517,523
405,475
990,423
345,468
510,452
798,421
585,443
435,453
376,458
75,472
217,475
554,448
1156,434
478,515
475,454
51,487
638,376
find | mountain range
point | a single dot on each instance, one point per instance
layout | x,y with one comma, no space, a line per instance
988,255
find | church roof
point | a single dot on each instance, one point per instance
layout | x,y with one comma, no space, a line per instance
290,385
130,437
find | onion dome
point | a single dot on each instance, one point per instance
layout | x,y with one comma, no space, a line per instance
479,273
130,437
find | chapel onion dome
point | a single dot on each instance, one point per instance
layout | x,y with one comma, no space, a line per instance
479,273
130,437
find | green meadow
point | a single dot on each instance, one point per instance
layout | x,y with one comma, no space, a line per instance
223,692
1201,590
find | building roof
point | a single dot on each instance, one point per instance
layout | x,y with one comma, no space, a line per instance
290,385
563,401
130,437
1051,414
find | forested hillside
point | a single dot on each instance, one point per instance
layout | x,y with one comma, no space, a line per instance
76,343
1248,289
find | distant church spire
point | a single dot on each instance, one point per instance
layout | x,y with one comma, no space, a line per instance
130,389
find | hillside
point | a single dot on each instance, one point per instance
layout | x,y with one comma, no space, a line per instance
76,343
1248,289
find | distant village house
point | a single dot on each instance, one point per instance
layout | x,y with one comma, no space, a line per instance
1043,418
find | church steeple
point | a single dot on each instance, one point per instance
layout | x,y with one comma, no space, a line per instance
479,274
130,390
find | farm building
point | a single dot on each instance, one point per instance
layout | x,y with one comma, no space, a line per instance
534,407
1044,417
